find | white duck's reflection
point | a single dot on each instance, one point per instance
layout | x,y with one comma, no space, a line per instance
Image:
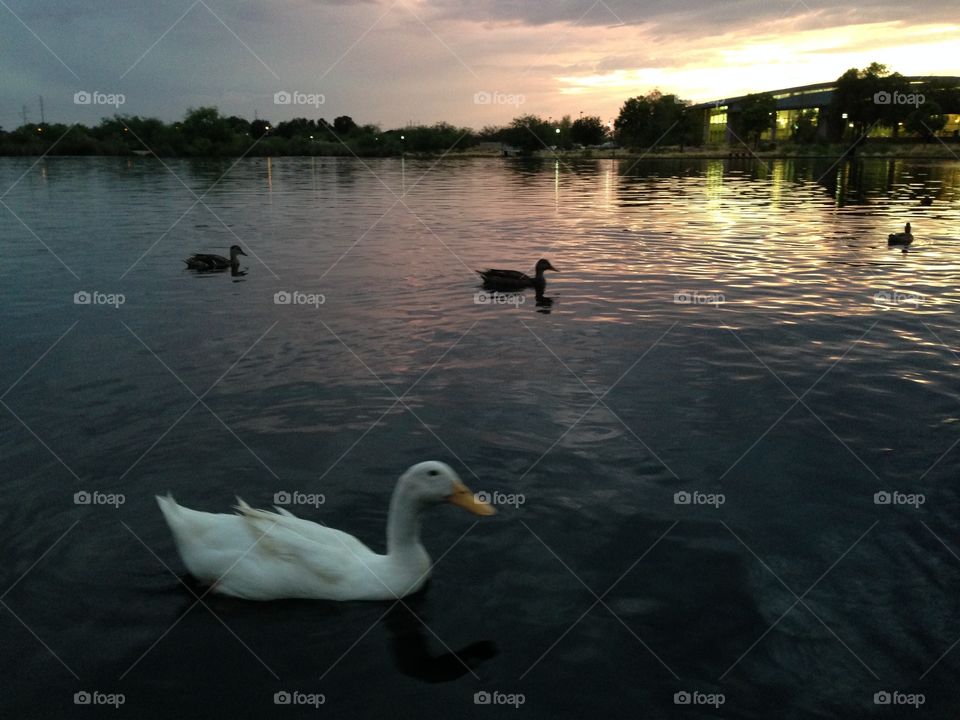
413,652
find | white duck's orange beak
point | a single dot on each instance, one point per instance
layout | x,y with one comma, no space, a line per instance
463,497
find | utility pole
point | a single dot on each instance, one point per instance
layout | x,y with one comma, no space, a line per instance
43,120
24,114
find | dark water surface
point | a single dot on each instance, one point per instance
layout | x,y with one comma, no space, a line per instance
814,368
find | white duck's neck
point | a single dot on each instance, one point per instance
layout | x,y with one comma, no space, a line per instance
403,525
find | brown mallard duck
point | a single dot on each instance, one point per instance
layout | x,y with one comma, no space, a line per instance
904,238
514,279
207,261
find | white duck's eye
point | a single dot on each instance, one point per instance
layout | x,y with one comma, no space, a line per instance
433,473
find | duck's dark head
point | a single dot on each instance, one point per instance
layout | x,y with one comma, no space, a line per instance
544,264
236,250
906,228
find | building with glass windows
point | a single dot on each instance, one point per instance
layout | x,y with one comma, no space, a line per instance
806,104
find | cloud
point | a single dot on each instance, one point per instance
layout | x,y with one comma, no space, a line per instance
692,18
423,60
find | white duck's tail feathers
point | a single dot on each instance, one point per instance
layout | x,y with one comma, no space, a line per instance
177,517
167,504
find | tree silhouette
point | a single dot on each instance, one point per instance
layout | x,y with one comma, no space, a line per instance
653,119
588,130
259,128
344,125
756,115
926,120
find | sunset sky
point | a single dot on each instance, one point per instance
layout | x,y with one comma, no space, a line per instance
427,60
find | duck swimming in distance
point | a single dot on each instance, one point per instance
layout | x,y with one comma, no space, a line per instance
264,555
208,261
514,279
904,238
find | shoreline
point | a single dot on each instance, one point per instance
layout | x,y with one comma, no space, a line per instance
899,152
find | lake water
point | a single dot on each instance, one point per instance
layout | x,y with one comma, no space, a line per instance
731,333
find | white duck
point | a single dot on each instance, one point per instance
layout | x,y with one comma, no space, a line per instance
262,555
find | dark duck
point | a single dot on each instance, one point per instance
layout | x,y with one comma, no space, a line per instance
207,261
514,279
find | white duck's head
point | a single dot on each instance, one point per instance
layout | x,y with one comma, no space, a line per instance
433,482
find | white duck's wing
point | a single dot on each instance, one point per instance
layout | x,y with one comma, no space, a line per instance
303,557
283,523
263,555
294,557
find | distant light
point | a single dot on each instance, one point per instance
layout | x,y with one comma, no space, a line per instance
402,137
558,131
844,116
39,129
849,124
268,127
311,137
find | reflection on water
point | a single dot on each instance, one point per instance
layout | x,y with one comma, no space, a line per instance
413,648
720,326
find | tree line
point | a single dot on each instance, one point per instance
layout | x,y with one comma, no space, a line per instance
644,121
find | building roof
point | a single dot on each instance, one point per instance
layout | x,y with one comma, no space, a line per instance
816,95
